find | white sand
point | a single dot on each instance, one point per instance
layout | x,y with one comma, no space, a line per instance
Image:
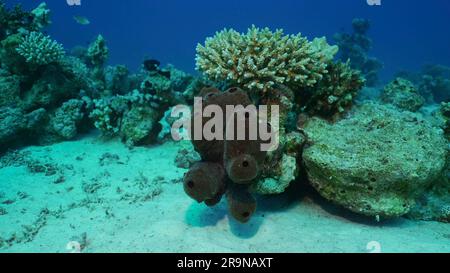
125,213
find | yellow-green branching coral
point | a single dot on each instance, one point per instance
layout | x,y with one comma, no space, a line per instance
39,49
260,59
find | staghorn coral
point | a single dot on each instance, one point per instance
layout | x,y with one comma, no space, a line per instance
261,58
335,92
39,49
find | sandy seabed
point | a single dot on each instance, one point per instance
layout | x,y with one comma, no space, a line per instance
105,197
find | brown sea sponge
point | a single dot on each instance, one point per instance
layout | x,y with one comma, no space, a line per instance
205,181
213,150
243,159
241,203
226,163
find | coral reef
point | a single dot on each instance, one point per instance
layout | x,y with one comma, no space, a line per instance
403,94
433,82
375,162
355,47
261,58
37,77
16,20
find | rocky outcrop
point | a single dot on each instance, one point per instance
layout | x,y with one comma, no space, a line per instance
375,162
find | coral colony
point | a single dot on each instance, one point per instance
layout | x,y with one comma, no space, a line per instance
297,97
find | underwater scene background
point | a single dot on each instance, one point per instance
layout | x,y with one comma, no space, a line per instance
88,162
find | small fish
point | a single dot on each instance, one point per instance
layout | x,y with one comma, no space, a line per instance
165,73
81,20
151,65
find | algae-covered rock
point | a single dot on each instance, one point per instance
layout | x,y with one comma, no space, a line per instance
67,119
376,161
14,124
403,94
140,126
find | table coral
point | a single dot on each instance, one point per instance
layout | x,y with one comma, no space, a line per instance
261,58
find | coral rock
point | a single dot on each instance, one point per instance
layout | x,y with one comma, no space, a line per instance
403,94
377,161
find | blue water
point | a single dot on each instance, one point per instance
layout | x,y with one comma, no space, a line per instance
406,33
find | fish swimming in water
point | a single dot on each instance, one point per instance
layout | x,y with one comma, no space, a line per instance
151,64
81,20
165,73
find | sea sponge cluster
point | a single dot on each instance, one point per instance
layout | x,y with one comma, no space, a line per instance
39,49
227,166
261,58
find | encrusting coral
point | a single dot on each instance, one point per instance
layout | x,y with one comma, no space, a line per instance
261,58
39,49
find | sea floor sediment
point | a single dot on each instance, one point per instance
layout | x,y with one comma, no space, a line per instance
108,198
